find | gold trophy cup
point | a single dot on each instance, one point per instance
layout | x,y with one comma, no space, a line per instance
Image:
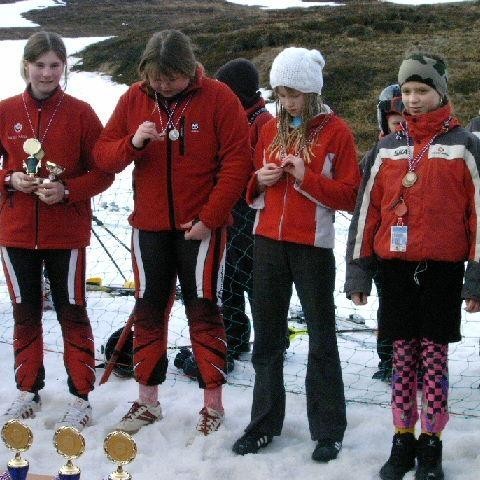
70,444
120,448
17,437
33,148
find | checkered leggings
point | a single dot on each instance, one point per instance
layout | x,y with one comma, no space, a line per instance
408,356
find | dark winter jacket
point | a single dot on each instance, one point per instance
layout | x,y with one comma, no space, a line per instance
474,126
72,128
257,117
199,176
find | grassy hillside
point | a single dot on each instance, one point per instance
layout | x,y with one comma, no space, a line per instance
363,42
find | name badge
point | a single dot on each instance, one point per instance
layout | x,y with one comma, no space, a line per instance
398,238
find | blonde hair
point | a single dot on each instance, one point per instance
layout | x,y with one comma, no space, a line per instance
295,139
40,43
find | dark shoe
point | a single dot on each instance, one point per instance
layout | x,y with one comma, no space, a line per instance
251,443
326,450
181,356
383,376
230,364
190,367
384,372
244,348
402,457
429,456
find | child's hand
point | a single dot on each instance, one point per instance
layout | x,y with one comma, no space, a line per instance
146,131
295,166
51,192
196,230
472,305
359,298
23,183
269,174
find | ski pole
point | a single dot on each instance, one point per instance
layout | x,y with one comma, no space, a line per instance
101,224
109,255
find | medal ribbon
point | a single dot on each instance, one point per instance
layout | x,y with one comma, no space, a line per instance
170,113
57,106
306,145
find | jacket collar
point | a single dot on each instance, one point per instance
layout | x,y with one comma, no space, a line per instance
53,99
428,124
258,105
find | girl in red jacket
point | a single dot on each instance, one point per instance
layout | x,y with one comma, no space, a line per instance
187,136
47,180
416,224
306,168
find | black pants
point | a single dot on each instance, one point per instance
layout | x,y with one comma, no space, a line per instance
66,270
158,258
278,265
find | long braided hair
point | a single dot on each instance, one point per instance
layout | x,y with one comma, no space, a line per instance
295,139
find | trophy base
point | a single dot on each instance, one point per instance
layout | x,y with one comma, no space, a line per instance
6,476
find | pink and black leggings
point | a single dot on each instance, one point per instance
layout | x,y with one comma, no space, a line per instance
432,358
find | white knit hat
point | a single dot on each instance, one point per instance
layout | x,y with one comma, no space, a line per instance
298,68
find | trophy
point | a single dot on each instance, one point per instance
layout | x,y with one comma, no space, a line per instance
54,171
33,148
17,437
70,444
120,448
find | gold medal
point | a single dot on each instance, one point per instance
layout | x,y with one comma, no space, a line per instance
173,135
409,179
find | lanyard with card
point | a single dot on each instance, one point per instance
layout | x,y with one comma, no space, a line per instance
399,232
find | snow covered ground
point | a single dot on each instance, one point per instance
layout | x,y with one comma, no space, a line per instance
161,447
11,14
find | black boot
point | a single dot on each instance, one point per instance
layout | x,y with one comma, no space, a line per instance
429,456
402,457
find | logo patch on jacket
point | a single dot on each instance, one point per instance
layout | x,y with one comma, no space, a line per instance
195,127
447,152
400,152
18,127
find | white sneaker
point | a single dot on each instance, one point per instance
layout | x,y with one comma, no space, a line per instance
210,420
139,416
24,406
78,415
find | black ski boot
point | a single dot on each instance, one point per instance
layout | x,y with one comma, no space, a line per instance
402,457
429,457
